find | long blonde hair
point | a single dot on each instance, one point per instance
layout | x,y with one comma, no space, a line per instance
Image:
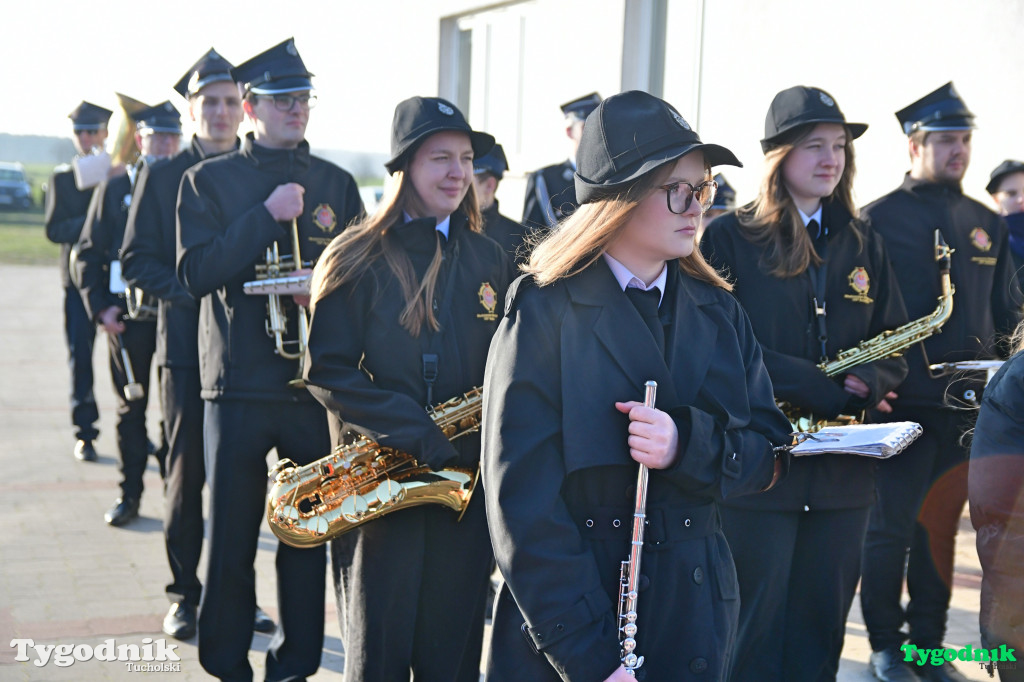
350,255
772,221
576,242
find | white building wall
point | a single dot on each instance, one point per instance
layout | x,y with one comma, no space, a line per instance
726,59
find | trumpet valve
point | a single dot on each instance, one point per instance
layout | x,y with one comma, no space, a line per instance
133,391
629,629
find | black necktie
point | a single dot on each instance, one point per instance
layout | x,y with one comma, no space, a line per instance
818,237
646,303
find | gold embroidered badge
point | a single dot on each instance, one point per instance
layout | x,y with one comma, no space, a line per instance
489,300
324,217
860,283
980,239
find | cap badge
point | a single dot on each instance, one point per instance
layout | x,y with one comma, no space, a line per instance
325,218
214,55
489,300
445,109
980,239
860,282
290,49
826,100
680,120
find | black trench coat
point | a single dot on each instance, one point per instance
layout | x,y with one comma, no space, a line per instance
558,475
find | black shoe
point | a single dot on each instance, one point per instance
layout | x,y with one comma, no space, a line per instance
941,673
888,665
180,621
84,451
123,511
263,622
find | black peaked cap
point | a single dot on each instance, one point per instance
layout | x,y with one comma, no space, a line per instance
493,162
274,71
1007,167
89,116
631,134
801,105
211,68
160,118
940,109
417,118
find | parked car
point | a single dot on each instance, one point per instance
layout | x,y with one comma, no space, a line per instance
15,190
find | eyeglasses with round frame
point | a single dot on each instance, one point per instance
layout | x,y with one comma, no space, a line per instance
679,195
286,102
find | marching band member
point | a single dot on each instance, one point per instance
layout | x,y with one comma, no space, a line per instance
617,295
995,488
158,135
405,304
66,209
550,193
488,170
1006,186
231,210
921,493
147,261
814,280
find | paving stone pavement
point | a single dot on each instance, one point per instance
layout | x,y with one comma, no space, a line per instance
68,578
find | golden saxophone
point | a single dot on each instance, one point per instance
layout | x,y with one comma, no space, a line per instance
363,480
629,572
890,343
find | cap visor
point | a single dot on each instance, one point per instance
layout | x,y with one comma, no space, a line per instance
279,87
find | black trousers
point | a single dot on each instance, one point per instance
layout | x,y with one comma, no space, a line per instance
239,434
921,496
183,485
798,572
132,442
411,589
80,333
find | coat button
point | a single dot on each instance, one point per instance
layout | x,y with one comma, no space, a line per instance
590,523
559,627
807,508
698,575
698,665
686,523
616,523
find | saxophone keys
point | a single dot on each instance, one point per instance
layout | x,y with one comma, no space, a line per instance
354,507
317,525
389,492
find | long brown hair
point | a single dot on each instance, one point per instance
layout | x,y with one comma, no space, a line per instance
350,255
579,240
772,221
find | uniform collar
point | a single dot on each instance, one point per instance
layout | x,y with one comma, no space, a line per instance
915,186
202,155
441,226
626,279
294,161
418,234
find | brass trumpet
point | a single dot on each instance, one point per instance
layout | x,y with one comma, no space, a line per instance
275,267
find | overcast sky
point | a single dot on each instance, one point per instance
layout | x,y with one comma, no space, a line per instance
55,54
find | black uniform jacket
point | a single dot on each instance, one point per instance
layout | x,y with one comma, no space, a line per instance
996,488
66,208
507,232
100,244
560,481
861,301
355,335
550,195
987,300
224,230
148,256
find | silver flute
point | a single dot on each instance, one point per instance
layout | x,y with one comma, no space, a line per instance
629,573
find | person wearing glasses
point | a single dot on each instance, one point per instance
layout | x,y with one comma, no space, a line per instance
815,280
615,296
921,493
66,208
148,262
231,210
